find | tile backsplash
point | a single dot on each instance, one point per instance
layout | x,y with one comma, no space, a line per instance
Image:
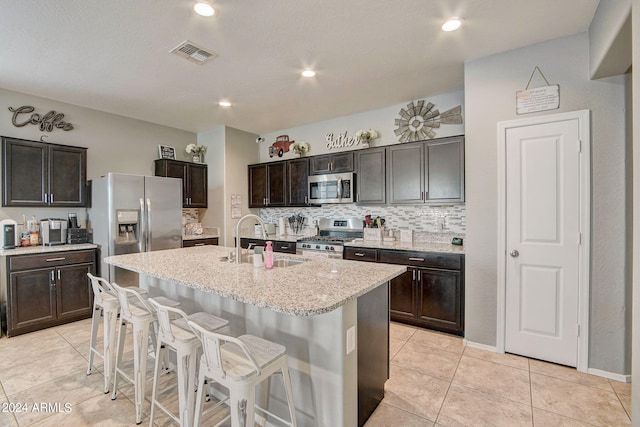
420,219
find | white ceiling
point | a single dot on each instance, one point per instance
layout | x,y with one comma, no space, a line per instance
113,55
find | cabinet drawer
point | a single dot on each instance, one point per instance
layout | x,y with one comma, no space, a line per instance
421,259
51,259
199,242
361,254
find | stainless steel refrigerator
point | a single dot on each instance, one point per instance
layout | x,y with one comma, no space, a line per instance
131,214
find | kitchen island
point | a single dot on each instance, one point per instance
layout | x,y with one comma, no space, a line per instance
332,315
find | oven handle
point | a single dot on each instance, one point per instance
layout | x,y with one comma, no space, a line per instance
339,188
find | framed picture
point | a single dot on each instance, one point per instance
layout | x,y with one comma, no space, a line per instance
167,152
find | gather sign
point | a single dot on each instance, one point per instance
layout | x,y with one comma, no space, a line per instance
340,141
47,123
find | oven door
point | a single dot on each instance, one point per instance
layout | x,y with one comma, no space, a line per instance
331,188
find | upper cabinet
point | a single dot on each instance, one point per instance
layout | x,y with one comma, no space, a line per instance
370,176
430,172
332,163
298,182
37,174
194,180
267,185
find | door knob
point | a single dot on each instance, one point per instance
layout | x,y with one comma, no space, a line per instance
514,253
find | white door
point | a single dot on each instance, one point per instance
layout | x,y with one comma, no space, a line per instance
543,241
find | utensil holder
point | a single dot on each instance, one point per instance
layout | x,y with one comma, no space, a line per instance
373,233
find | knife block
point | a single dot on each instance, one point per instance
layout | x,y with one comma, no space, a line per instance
373,233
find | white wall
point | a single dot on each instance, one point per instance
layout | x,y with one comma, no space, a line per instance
610,39
381,120
115,143
213,216
490,87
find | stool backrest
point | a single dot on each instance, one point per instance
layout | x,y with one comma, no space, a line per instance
123,296
163,313
100,286
211,347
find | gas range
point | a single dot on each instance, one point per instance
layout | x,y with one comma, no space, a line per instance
332,235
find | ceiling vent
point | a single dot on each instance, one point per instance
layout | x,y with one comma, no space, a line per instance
193,53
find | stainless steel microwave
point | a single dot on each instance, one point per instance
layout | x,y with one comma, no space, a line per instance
332,188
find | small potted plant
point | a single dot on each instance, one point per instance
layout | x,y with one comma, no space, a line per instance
300,147
365,136
196,151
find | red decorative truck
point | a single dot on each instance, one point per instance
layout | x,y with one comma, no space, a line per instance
281,146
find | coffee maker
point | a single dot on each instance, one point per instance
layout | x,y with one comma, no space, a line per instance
54,231
9,236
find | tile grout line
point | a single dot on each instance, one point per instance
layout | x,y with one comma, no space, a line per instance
449,387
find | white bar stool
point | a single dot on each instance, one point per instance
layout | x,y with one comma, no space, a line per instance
239,364
177,335
135,310
105,303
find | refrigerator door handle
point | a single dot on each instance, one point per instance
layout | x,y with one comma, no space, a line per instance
143,228
149,226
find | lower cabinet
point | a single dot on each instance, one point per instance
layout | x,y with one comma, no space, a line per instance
278,245
429,294
48,289
200,242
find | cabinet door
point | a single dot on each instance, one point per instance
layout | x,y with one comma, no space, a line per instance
402,305
74,297
24,178
342,162
174,169
257,186
276,191
67,176
445,171
32,301
320,164
297,182
371,175
440,299
405,174
199,242
197,186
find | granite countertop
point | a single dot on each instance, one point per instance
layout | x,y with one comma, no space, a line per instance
408,246
316,286
40,249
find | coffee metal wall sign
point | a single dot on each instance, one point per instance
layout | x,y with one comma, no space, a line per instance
48,122
341,141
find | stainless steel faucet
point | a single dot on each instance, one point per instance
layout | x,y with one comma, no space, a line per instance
240,221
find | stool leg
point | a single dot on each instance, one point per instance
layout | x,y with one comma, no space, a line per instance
199,398
156,373
140,353
94,335
250,393
108,330
289,393
238,408
122,332
186,374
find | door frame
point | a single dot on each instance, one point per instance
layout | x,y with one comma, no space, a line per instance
584,266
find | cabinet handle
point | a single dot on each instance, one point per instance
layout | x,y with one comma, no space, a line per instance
306,200
413,275
58,274
199,244
358,254
51,198
419,275
284,247
56,259
416,259
46,198
53,278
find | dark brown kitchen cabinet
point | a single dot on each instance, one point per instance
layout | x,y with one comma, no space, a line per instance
360,254
332,163
267,185
37,174
298,182
48,289
430,172
194,180
371,173
200,242
282,246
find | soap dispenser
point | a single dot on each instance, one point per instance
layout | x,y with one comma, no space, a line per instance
268,255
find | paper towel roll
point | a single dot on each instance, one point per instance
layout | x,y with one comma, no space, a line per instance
282,227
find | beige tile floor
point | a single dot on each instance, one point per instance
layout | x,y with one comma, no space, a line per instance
435,381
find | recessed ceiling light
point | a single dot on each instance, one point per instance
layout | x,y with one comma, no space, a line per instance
203,8
224,104
452,24
308,73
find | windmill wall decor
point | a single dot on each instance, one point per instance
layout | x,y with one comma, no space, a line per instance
418,120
